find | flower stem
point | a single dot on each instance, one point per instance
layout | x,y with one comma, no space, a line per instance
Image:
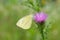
41,27
42,34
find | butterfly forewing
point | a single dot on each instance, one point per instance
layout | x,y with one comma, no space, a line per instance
25,22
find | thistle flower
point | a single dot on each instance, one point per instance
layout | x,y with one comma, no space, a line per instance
40,17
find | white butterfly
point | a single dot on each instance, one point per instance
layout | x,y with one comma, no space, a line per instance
25,22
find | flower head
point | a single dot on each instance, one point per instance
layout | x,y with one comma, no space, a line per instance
40,17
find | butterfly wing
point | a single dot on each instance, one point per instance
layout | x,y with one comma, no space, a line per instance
25,22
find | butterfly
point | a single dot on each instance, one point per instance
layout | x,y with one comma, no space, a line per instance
25,22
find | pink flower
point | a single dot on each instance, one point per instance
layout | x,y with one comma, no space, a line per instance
40,17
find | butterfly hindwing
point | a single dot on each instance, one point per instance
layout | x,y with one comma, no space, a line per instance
25,22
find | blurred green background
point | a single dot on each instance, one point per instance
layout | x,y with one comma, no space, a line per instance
12,10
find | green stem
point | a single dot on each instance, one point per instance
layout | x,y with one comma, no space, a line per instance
42,34
41,27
